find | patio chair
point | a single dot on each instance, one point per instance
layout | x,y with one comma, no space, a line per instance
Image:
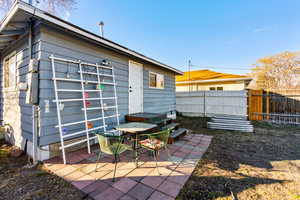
111,145
155,142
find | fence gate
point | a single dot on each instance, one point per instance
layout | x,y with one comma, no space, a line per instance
255,104
282,106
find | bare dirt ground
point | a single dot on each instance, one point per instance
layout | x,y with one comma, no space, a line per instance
20,183
246,166
263,165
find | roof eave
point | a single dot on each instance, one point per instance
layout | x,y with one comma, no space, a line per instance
9,30
19,5
12,11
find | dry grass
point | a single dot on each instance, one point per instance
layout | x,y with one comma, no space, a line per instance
263,165
20,183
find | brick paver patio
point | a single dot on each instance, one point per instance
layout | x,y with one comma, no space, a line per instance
143,182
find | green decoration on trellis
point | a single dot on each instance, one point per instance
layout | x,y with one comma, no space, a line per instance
101,86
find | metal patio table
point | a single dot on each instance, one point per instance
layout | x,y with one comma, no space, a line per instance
135,128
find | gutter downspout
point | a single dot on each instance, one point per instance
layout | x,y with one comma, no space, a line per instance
32,107
35,107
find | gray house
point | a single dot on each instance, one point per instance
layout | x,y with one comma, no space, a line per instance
29,35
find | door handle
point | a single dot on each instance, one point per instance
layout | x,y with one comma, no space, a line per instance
130,90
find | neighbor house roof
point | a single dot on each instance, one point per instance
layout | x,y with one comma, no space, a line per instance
15,22
204,76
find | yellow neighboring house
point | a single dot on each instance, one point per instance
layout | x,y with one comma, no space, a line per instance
210,80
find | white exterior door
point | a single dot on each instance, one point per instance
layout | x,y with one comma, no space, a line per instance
135,87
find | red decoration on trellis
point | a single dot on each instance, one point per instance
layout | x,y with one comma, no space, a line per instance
87,103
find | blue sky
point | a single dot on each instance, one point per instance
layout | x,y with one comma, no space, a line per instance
224,34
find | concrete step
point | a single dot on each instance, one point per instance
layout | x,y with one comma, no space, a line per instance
178,132
231,117
231,125
229,121
238,123
172,125
248,130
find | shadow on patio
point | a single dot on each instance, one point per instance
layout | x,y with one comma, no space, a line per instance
143,182
260,165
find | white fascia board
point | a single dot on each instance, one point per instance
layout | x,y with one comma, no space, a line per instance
73,28
215,80
9,15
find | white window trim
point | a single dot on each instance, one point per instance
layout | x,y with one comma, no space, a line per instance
14,87
150,72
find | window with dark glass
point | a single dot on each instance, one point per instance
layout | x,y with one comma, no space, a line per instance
156,80
9,71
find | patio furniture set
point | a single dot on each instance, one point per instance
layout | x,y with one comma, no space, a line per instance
147,131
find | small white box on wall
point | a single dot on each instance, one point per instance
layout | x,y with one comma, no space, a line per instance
22,86
171,114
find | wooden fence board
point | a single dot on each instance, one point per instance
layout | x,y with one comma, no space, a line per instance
276,105
255,104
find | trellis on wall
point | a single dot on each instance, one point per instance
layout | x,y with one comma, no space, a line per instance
94,87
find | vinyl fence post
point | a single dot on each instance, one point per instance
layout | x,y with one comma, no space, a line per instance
250,117
204,104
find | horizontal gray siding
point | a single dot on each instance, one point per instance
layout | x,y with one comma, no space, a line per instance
21,48
65,46
159,100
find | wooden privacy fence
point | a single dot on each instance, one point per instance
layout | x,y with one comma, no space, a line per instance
282,106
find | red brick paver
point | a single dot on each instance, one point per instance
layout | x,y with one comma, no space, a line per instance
75,175
152,181
125,184
95,186
140,191
68,169
169,188
109,194
144,182
126,197
179,178
83,182
160,196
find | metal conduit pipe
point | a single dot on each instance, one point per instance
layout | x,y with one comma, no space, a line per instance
35,106
30,43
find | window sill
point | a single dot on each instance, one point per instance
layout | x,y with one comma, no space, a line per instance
156,88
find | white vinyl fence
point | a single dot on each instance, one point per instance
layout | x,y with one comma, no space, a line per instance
212,103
